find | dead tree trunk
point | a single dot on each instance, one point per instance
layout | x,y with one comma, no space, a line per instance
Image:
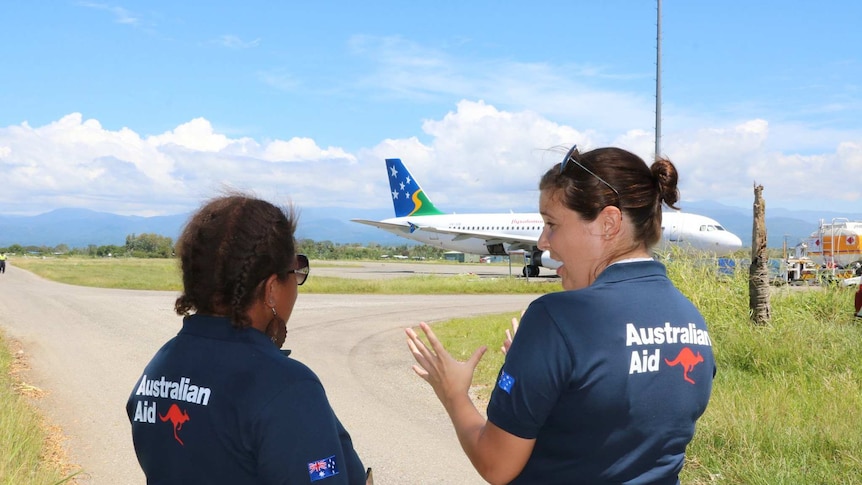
758,273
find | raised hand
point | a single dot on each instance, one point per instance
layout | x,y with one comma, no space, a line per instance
448,377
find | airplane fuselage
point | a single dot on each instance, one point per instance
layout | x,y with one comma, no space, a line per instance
689,231
514,225
502,233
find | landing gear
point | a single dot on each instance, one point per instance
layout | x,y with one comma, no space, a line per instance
530,271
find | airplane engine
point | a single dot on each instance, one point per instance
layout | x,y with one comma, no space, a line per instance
539,258
496,249
548,262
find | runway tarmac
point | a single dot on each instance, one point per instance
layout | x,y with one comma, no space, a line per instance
397,269
87,347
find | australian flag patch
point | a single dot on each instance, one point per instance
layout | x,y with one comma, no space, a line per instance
320,469
505,382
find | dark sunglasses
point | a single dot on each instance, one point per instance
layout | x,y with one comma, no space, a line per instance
302,269
570,157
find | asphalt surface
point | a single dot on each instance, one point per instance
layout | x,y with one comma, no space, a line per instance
87,347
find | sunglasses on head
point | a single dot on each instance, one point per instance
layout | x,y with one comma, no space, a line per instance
570,157
302,269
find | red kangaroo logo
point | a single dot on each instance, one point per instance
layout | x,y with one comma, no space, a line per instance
177,418
687,360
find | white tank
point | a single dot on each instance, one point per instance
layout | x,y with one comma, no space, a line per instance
838,243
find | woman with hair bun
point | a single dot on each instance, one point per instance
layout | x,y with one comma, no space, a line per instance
603,382
220,403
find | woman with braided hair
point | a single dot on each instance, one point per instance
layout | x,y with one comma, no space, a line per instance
220,403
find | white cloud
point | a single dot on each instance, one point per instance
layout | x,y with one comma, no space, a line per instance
476,157
121,15
235,42
197,135
301,149
576,94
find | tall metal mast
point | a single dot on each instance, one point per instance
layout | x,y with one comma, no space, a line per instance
658,81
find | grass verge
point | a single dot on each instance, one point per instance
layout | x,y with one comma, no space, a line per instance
787,399
164,274
29,450
786,403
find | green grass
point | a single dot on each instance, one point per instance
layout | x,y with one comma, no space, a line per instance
429,284
23,446
164,274
786,406
126,273
787,400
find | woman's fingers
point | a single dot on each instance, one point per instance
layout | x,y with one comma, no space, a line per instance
432,339
477,356
417,348
510,335
420,371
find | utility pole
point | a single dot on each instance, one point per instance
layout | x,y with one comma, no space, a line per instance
658,81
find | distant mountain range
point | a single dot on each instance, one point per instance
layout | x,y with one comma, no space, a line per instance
80,227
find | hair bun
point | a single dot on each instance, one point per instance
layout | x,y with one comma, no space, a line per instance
666,177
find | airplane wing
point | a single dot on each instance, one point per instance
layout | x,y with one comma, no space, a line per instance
386,226
515,241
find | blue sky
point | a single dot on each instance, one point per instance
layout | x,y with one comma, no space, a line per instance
149,107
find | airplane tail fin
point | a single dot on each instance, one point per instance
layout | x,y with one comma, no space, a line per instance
407,196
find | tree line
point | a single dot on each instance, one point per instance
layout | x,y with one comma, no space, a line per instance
149,245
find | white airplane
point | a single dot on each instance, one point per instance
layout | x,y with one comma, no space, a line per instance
502,233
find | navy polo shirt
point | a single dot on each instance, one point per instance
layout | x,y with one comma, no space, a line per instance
609,380
222,405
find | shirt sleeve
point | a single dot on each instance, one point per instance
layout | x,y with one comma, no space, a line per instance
302,441
356,471
537,369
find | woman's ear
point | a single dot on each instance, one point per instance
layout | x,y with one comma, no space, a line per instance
270,290
612,220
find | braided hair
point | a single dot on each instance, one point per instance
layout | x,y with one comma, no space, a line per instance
228,248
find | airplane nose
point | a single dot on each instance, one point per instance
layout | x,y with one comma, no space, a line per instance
731,243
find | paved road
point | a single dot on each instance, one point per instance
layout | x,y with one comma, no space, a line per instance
396,269
87,347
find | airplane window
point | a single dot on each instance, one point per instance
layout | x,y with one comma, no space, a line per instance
720,228
702,228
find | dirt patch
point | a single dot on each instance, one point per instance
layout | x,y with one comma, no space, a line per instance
54,451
